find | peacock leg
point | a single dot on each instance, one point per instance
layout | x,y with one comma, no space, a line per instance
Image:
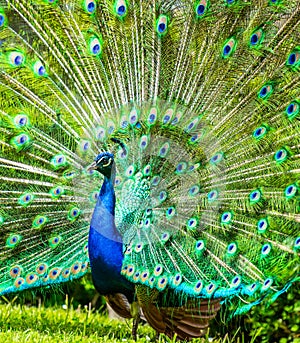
135,325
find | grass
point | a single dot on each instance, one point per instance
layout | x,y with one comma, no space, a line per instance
56,324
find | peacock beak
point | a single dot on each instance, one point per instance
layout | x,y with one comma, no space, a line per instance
92,166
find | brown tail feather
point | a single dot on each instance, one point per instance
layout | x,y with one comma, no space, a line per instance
154,318
120,304
190,321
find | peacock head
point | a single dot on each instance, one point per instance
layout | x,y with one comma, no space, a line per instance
103,163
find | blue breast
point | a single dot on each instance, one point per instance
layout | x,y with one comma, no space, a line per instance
106,246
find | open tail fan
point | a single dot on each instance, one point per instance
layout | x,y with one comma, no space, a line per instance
198,101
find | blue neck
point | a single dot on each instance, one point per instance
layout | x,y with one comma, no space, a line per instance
105,245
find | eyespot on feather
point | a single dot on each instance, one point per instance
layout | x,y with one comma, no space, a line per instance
54,273
95,45
262,225
56,192
144,276
281,155
226,217
163,151
26,199
192,223
3,19
74,213
76,268
19,282
229,47
200,246
211,288
152,116
162,283
66,273
54,241
136,276
31,278
16,59
293,109
255,196
15,271
130,269
39,221
13,241
217,158
256,38
201,8
260,132
198,286
39,69
41,268
89,6
291,191
236,281
21,141
176,279
232,249
158,270
21,120
162,25
265,91
267,284
120,8
293,60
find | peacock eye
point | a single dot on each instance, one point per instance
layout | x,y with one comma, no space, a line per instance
212,196
39,69
152,116
265,250
21,120
2,19
292,109
162,25
236,281
229,47
256,38
133,116
201,8
89,6
265,91
95,46
281,155
120,8
267,284
198,286
292,58
16,59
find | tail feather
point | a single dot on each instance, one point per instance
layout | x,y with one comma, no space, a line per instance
198,101
120,304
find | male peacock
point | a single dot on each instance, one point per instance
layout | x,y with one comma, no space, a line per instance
192,111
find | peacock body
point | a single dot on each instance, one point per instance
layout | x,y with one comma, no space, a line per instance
190,111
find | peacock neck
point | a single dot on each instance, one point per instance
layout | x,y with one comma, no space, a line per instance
103,219
105,244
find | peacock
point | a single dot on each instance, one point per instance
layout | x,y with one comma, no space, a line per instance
156,145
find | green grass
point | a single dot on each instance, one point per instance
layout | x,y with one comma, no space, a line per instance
32,324
49,322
